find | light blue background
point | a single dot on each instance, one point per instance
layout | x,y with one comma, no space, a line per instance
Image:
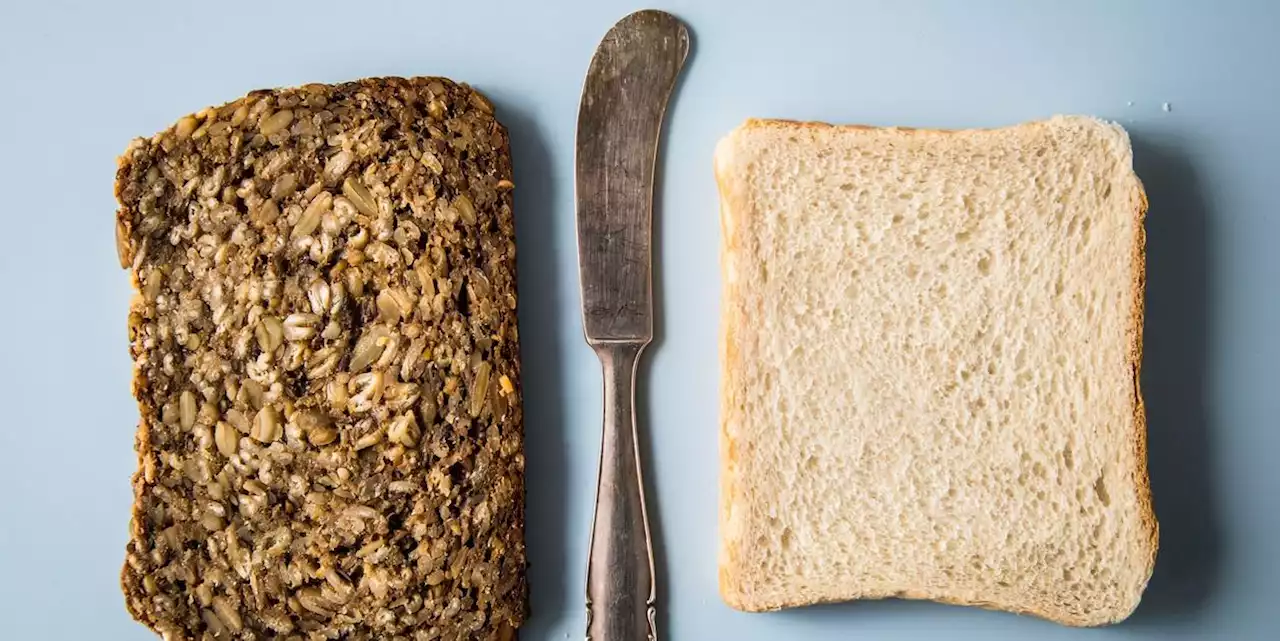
79,80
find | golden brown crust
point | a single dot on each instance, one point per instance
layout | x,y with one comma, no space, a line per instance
1142,478
732,203
729,203
371,496
818,126
1061,618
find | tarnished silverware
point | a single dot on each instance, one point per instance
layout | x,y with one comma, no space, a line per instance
624,98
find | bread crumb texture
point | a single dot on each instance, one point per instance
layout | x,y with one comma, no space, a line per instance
930,351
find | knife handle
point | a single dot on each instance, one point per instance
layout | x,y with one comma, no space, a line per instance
620,577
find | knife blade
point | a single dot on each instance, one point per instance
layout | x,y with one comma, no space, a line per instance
619,122
624,99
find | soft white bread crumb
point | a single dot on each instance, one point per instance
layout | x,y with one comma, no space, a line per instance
930,348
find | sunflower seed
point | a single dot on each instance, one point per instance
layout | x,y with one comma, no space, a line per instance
300,327
227,439
276,122
266,426
187,409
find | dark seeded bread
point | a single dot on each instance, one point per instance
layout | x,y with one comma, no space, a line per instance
327,368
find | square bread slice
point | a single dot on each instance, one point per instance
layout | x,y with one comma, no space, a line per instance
930,348
327,368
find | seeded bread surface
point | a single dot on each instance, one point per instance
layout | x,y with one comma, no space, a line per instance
327,368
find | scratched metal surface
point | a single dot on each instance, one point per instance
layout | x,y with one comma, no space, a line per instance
624,98
620,118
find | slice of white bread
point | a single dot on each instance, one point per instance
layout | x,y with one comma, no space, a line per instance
930,348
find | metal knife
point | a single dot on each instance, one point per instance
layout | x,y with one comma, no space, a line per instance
624,98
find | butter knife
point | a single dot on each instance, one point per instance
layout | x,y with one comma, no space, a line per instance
624,98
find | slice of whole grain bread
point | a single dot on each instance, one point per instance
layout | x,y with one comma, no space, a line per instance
327,367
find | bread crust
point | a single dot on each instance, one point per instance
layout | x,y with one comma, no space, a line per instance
1141,473
731,201
734,203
